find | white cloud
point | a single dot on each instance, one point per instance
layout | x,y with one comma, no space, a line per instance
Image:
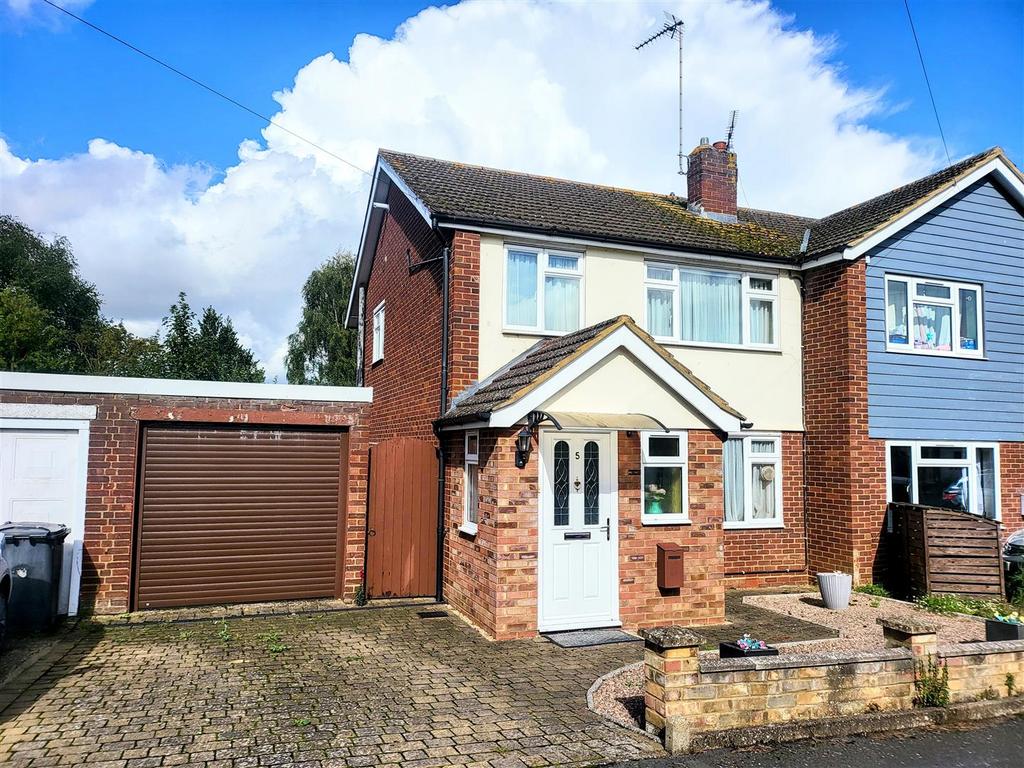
28,12
555,89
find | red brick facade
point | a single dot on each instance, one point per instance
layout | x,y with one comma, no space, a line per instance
846,493
114,440
771,557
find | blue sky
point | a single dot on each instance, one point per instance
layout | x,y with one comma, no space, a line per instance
62,83
161,187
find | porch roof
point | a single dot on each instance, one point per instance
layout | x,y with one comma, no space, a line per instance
554,363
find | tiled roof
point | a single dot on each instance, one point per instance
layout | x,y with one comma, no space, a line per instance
473,194
544,359
845,227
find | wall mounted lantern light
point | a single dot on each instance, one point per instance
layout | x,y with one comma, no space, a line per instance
523,444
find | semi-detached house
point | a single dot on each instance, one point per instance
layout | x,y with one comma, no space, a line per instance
614,377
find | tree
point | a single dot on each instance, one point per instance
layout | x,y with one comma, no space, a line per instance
28,340
210,350
322,350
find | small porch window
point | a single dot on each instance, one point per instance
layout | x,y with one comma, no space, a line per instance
752,466
471,485
664,478
378,334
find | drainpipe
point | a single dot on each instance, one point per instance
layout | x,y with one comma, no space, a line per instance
803,417
443,409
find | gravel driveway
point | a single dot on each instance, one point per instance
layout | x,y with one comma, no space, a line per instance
371,687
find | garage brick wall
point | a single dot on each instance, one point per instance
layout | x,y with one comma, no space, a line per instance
113,460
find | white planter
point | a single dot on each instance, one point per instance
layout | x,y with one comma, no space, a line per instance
835,590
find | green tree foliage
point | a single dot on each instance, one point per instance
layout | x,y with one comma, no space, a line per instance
322,350
50,322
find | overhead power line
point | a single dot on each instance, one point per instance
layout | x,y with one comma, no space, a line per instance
205,87
927,82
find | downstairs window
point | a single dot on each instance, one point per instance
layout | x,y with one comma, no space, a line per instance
962,476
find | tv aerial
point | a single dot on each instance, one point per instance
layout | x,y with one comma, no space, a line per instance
673,29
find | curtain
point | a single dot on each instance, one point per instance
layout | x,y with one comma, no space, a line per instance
710,307
561,303
762,330
732,456
521,291
932,326
659,312
763,491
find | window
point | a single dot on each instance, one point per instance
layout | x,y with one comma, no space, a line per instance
543,290
934,317
703,307
471,500
963,476
378,333
663,490
752,467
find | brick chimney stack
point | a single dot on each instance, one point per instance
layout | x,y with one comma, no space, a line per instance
711,181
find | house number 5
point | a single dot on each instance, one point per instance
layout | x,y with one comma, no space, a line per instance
577,455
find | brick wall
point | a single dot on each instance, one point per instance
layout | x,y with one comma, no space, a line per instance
702,598
769,557
845,469
1011,486
114,439
711,179
406,383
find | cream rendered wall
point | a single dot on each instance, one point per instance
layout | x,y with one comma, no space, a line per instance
764,386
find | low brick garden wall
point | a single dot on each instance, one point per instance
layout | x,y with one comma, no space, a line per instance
685,696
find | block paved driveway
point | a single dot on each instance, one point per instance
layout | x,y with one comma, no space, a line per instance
353,688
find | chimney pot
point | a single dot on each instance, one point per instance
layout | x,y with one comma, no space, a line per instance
720,145
704,140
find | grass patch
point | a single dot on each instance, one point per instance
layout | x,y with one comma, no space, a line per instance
876,590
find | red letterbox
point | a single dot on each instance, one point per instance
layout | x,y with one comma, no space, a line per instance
670,566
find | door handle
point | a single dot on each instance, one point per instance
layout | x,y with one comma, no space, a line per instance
607,528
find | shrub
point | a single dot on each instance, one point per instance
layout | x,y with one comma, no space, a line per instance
1015,587
960,604
1011,684
873,589
931,684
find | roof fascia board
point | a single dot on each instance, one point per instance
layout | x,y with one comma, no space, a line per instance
820,261
519,234
621,338
121,385
997,166
418,204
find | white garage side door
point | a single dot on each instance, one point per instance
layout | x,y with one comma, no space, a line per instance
40,482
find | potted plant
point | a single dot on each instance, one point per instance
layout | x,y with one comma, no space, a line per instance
653,497
1004,627
835,589
744,647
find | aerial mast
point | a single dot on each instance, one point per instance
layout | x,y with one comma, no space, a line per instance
673,28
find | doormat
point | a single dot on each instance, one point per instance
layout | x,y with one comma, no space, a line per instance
584,638
432,615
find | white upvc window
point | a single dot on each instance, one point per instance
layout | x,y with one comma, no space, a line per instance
378,333
752,483
711,308
962,476
933,317
471,485
664,478
543,290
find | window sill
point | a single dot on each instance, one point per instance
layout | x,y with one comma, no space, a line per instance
664,520
930,353
669,342
509,331
753,526
469,529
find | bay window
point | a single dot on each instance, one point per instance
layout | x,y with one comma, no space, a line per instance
932,316
543,290
710,307
663,478
752,467
962,476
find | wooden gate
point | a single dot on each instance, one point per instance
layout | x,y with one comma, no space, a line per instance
401,548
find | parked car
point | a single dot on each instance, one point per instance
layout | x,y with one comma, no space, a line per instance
5,591
1013,560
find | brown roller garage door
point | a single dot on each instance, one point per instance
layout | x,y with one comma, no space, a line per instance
230,514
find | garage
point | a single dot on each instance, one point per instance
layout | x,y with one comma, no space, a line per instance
230,515
189,493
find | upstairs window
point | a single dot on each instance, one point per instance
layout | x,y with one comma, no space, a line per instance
935,317
543,290
711,308
378,333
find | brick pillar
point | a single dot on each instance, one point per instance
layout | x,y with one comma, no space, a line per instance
464,313
670,664
918,636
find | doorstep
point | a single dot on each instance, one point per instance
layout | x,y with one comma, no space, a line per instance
277,608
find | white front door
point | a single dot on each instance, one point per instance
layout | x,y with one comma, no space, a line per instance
40,483
578,573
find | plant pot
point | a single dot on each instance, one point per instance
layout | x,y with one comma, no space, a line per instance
835,590
733,651
996,630
653,507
